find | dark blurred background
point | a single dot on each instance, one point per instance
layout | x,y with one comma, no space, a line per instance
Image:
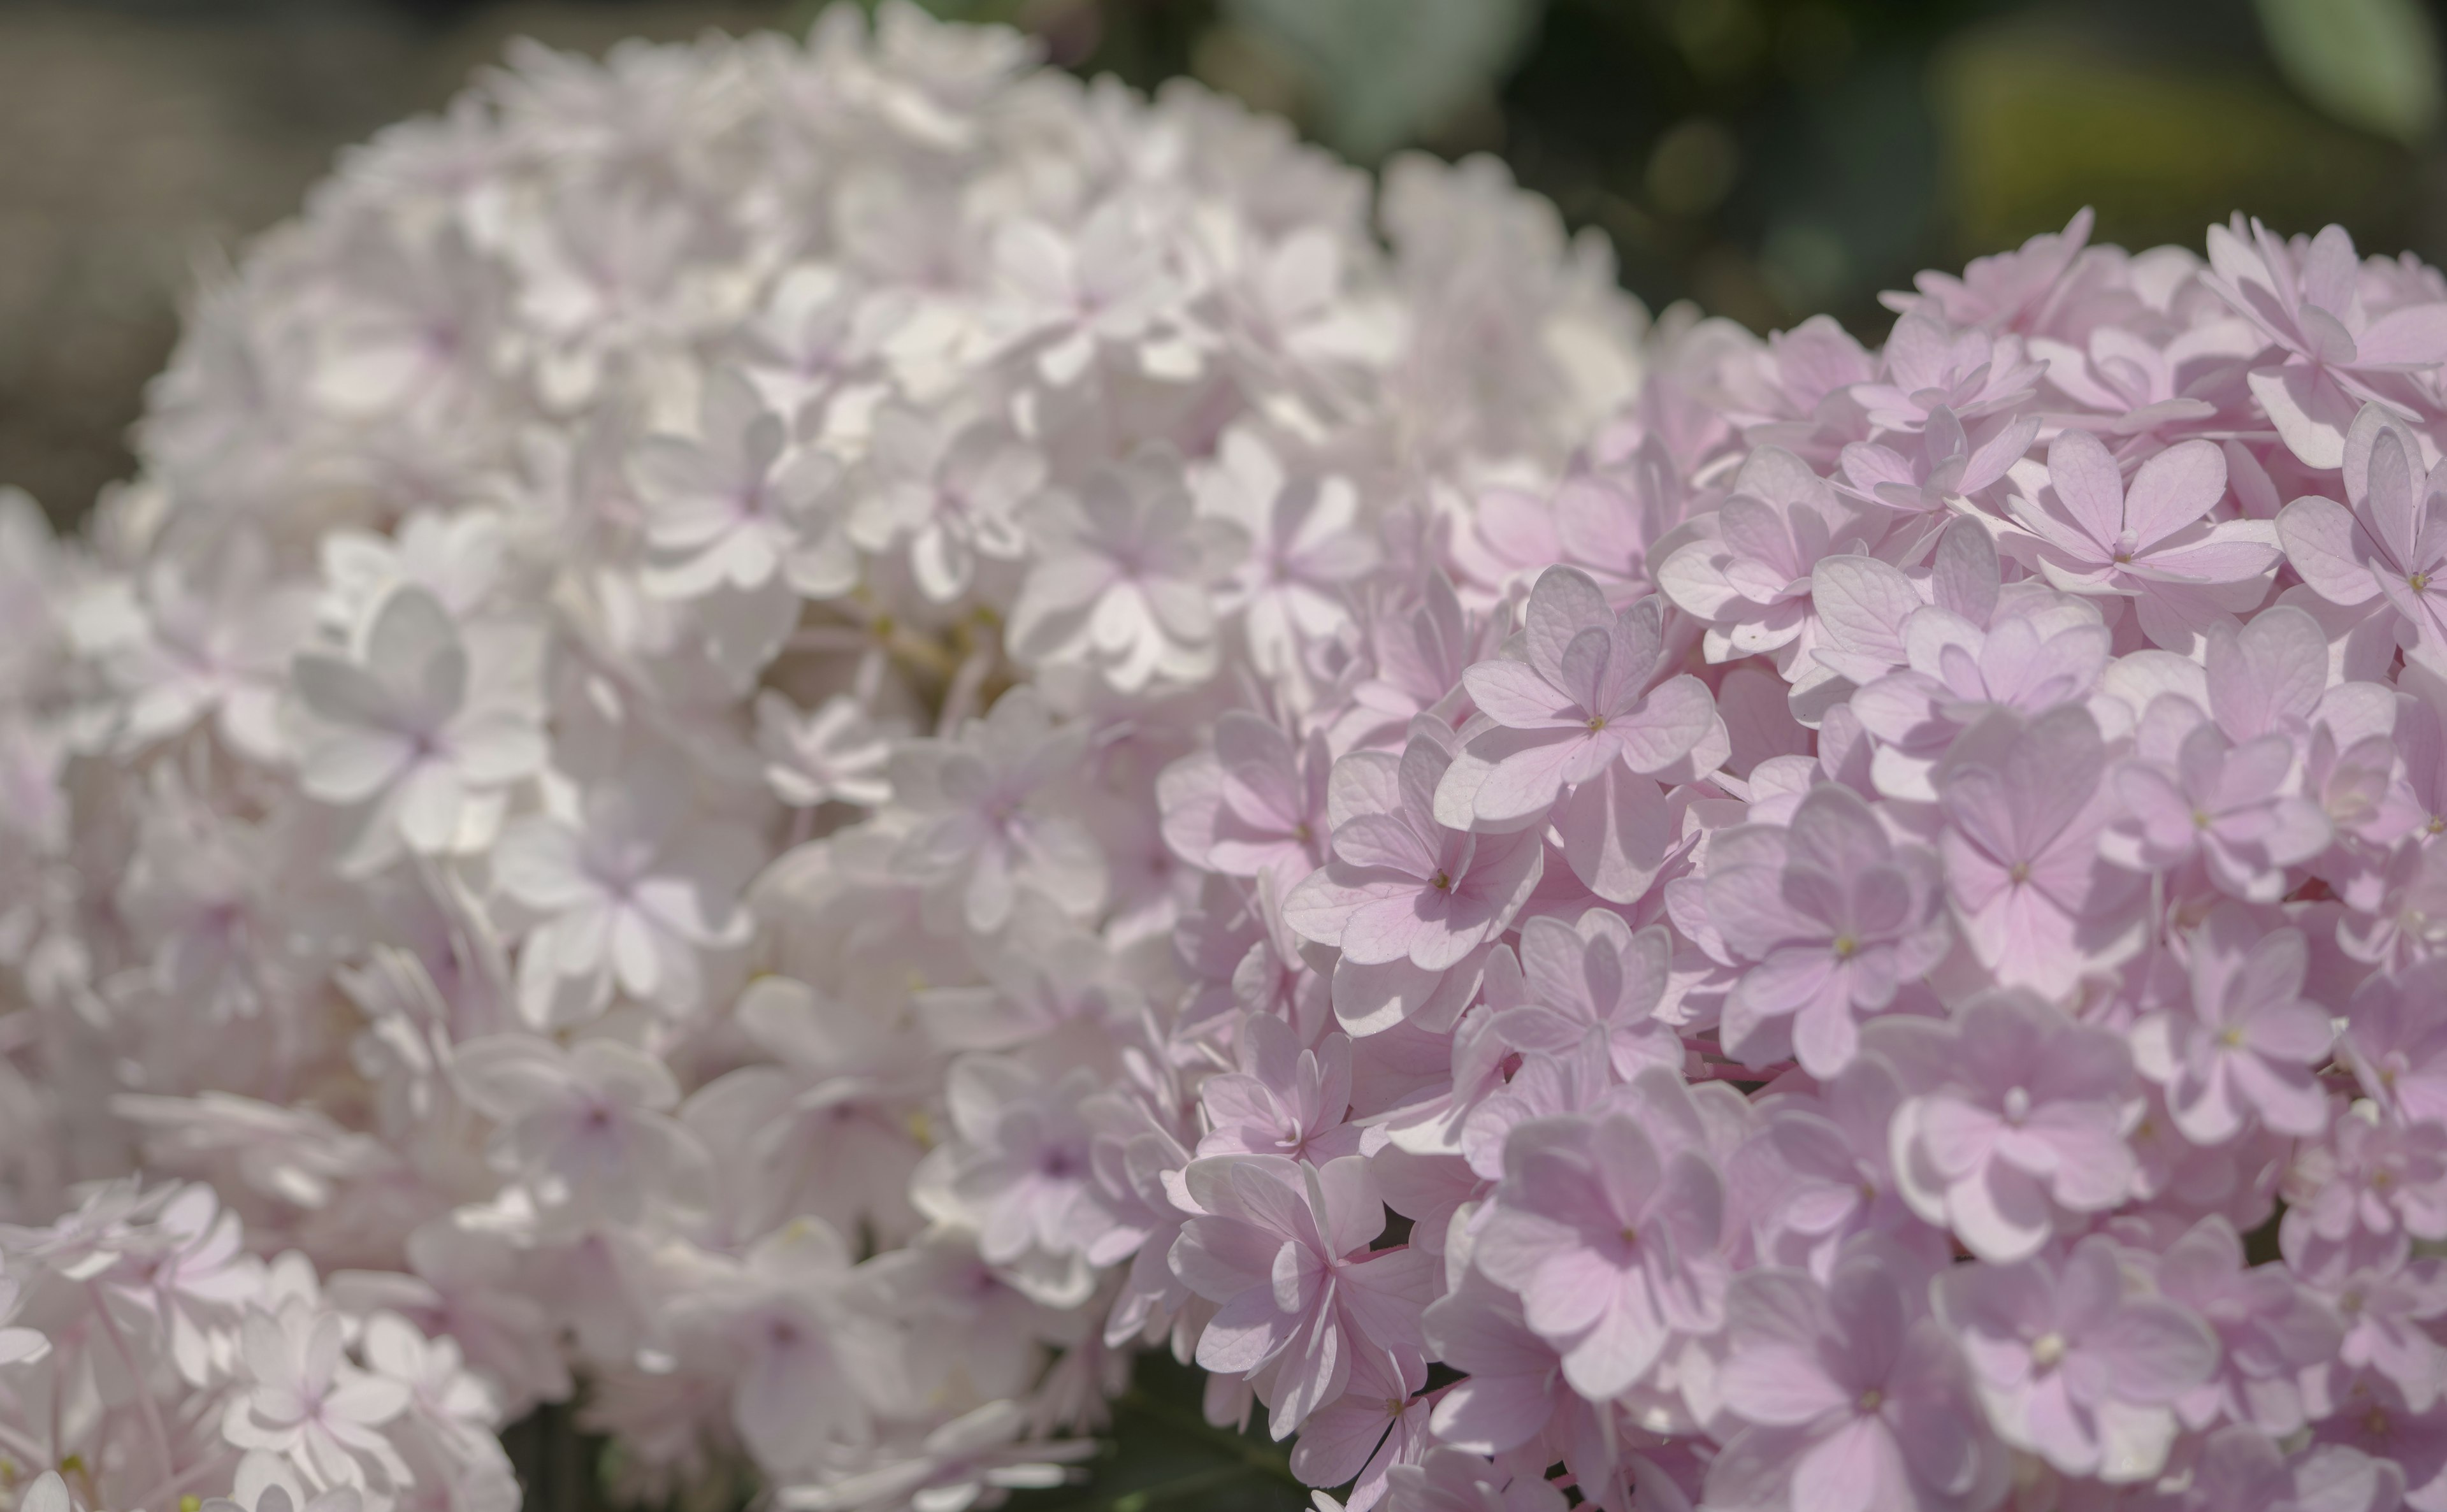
1769,159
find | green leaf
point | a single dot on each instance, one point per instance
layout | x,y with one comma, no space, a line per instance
2372,64
1382,71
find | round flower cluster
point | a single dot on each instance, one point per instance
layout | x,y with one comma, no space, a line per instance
808,738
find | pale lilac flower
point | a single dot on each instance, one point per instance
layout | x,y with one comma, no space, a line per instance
264,1483
1280,1246
1591,982
1448,1479
586,1127
2192,793
2022,289
1837,917
2305,298
1820,1170
2390,544
2139,386
1611,1243
778,1323
2025,807
457,558
217,648
2071,1364
1930,670
1284,1100
302,1398
1950,462
1307,547
1585,690
1749,574
421,719
947,492
2363,1191
2249,1045
1401,885
2270,1329
1073,296
1125,576
833,754
2395,1039
1254,805
1515,1391
2388,1314
466,1284
986,826
2024,1115
1379,1421
737,510
1856,1399
1929,364
632,890
1021,1171
2371,1417
2089,532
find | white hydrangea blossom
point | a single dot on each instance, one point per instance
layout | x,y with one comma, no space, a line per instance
635,676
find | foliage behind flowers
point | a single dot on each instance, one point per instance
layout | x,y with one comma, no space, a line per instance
812,739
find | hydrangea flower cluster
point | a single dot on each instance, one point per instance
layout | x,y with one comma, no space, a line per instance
811,738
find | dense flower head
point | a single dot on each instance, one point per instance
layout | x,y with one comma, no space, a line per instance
818,735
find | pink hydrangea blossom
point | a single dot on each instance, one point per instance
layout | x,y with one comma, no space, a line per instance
1856,1397
1586,691
2249,1043
2305,297
1611,1243
2071,1364
1838,918
2387,541
1281,1247
2088,531
2024,1114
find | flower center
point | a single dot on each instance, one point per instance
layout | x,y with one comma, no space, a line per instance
1845,947
2201,819
2017,1104
1443,882
1597,722
1871,1400
2019,871
2048,1350
2231,1037
1630,1234
2420,581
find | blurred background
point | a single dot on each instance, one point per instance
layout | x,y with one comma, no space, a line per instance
1769,159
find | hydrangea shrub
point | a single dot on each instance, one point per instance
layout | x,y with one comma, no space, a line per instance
809,739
